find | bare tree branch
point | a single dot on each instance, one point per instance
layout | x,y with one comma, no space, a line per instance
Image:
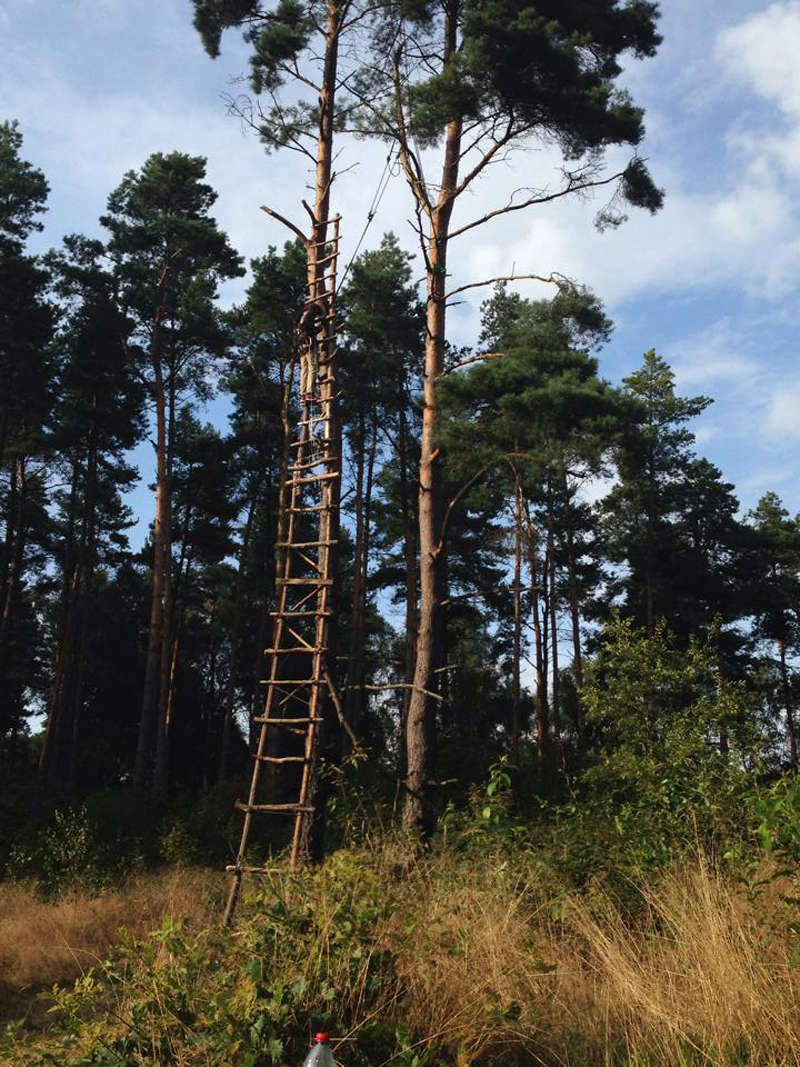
470,359
551,279
546,198
290,225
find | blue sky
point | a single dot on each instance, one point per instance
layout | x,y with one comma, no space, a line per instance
712,282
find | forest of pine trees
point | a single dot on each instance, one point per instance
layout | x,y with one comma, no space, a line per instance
135,666
547,761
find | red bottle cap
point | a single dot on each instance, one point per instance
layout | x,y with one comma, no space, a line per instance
321,1038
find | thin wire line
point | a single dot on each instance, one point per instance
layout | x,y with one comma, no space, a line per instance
383,184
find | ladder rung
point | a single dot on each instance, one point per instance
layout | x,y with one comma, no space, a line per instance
313,478
290,681
313,441
272,807
308,544
304,581
262,719
282,759
313,463
295,648
326,259
302,614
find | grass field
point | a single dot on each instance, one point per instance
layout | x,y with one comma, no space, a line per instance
445,962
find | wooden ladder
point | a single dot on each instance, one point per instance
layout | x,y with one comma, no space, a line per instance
299,680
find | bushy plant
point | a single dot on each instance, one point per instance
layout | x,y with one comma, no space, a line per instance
674,758
71,852
774,811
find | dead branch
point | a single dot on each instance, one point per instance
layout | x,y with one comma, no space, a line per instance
551,279
337,703
465,488
290,225
470,359
539,198
400,685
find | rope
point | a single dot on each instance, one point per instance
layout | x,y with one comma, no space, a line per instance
383,184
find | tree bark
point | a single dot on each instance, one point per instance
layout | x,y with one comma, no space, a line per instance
418,814
410,522
88,550
356,668
14,575
555,705
166,669
788,704
152,667
574,608
541,666
313,826
650,617
233,659
49,758
356,608
516,697
8,536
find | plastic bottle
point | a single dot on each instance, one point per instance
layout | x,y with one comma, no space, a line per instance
320,1055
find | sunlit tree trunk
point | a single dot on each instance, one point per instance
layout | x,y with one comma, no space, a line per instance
418,815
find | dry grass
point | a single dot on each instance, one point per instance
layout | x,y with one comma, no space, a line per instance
41,944
483,965
708,971
704,973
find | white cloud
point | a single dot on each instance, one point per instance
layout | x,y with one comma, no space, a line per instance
593,490
761,53
714,355
96,96
738,234
782,419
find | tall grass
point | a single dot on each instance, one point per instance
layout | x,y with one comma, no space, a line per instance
456,959
44,943
709,971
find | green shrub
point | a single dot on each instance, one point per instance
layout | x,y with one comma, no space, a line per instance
70,853
661,779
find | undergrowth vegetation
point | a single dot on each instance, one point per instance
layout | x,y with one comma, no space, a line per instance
647,913
475,954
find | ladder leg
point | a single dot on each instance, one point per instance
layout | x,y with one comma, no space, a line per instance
304,598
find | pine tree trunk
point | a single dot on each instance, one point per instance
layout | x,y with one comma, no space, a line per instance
356,607
788,704
8,536
14,575
356,668
574,608
49,757
650,615
553,599
410,523
313,826
541,666
88,553
418,814
152,668
236,623
166,670
516,710
367,540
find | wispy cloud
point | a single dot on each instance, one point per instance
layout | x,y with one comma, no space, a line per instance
714,356
782,420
